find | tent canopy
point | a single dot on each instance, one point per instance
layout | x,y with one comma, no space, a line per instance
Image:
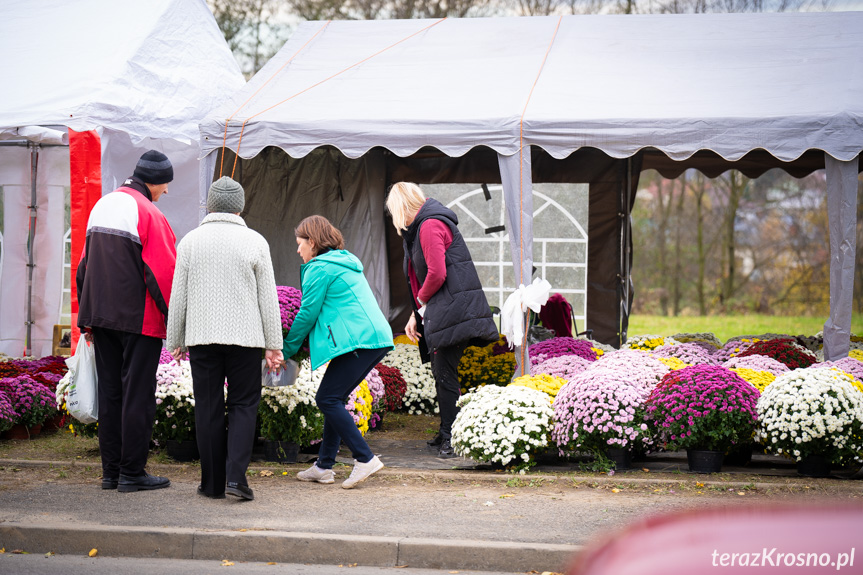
730,83
575,98
140,75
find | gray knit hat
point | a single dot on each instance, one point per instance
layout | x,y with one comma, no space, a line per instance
226,196
154,167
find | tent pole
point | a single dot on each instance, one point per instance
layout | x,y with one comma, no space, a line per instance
34,163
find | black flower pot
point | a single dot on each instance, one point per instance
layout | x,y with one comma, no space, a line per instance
185,450
739,455
622,458
702,461
281,451
813,466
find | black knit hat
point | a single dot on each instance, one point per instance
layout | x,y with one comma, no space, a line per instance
154,168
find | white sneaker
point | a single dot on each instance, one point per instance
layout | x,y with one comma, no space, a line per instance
362,471
315,473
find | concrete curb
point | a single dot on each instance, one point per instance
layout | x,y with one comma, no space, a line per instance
287,547
467,475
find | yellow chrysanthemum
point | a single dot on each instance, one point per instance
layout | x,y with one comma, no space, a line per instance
548,384
599,353
404,339
673,362
363,406
757,378
856,354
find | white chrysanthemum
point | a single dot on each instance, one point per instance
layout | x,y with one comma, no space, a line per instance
420,393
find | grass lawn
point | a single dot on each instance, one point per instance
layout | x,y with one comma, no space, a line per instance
725,327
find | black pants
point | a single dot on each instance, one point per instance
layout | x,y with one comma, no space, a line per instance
444,364
126,365
225,452
344,373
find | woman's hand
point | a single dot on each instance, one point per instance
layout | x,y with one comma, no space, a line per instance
274,359
411,329
177,354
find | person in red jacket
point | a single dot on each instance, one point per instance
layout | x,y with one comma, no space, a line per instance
124,286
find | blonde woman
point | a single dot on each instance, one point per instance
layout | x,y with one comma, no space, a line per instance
450,310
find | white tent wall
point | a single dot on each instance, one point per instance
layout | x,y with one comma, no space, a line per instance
180,204
51,184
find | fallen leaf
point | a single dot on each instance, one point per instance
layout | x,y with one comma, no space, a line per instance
399,566
504,496
242,530
266,473
284,472
740,493
2,550
22,552
93,552
49,554
657,490
646,470
700,492
699,484
226,563
615,490
272,563
453,571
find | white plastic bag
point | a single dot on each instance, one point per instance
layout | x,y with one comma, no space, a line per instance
82,401
282,377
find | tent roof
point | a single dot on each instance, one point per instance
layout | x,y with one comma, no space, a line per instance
149,68
730,83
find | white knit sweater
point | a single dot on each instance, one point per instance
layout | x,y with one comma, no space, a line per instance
224,290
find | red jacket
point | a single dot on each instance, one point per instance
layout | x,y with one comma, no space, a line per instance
124,278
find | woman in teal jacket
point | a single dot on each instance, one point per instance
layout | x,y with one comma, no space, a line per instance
346,327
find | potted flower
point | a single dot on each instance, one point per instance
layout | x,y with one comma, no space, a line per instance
420,392
784,350
505,426
813,416
548,384
492,364
394,386
559,346
378,392
75,427
705,409
601,412
290,417
7,413
174,423
32,402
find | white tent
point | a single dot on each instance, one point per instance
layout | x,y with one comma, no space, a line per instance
139,75
719,91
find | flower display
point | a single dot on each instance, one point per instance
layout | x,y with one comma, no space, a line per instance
548,384
175,403
558,346
673,362
488,365
75,426
289,413
757,378
420,392
757,362
733,348
812,412
503,425
600,409
783,350
394,386
703,407
359,405
642,370
699,338
648,342
290,300
378,391
564,366
32,402
689,353
847,364
7,412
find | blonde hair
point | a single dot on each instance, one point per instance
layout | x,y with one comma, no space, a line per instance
403,203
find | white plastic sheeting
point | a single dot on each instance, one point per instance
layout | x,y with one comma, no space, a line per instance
141,73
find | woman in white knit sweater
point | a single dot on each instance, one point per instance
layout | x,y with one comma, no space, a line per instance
224,310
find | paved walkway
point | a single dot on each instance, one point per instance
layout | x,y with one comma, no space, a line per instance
420,511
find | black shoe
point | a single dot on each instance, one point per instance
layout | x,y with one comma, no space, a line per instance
436,441
128,484
239,490
446,449
109,482
205,494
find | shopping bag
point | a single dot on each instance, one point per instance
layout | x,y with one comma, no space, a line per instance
282,377
82,401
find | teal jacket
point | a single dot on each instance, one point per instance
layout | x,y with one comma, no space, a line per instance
338,312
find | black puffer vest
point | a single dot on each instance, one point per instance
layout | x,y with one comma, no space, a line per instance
458,313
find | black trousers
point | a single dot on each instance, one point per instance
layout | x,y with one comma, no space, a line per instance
225,451
444,364
126,365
